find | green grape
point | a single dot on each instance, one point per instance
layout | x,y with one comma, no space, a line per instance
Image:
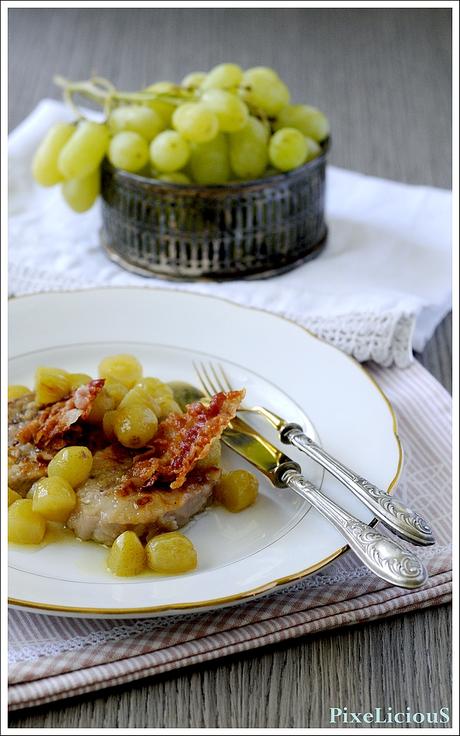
223,76
162,107
309,120
193,80
248,150
314,149
209,162
138,119
195,122
263,89
45,163
84,151
266,71
176,177
81,194
287,149
163,88
231,112
128,151
169,151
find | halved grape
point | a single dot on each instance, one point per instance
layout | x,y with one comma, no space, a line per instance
53,498
84,151
169,151
223,76
25,526
128,151
262,88
137,119
72,463
248,150
195,122
45,162
123,368
287,149
127,556
309,120
210,162
237,490
231,112
171,553
81,194
51,385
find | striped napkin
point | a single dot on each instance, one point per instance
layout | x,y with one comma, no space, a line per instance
57,657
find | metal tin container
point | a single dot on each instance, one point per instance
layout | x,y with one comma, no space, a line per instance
252,229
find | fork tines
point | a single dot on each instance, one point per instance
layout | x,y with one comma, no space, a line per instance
209,378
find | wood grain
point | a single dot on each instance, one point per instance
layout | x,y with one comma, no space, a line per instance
398,662
384,79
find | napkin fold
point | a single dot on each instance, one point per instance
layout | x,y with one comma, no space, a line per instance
56,657
377,291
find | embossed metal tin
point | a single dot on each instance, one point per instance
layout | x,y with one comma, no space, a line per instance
250,229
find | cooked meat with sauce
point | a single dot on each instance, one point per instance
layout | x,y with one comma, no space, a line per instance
183,439
161,489
26,463
51,425
102,512
158,488
35,435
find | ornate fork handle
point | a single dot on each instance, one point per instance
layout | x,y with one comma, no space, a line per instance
401,519
382,555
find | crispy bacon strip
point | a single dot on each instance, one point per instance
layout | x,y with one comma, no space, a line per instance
48,428
181,441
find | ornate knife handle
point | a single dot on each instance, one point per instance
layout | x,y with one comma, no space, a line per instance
383,556
400,519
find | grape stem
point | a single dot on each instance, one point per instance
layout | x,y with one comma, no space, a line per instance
103,92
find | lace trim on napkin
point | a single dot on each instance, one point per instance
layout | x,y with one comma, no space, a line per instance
385,338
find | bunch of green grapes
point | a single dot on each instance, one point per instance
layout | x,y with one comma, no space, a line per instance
216,127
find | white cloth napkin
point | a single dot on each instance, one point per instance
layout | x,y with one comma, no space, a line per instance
377,291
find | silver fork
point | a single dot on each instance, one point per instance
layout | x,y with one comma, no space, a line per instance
395,515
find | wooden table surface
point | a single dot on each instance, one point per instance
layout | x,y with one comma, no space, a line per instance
384,79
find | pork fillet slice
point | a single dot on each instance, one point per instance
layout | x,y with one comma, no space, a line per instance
102,513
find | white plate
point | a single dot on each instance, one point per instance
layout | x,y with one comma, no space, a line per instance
277,541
